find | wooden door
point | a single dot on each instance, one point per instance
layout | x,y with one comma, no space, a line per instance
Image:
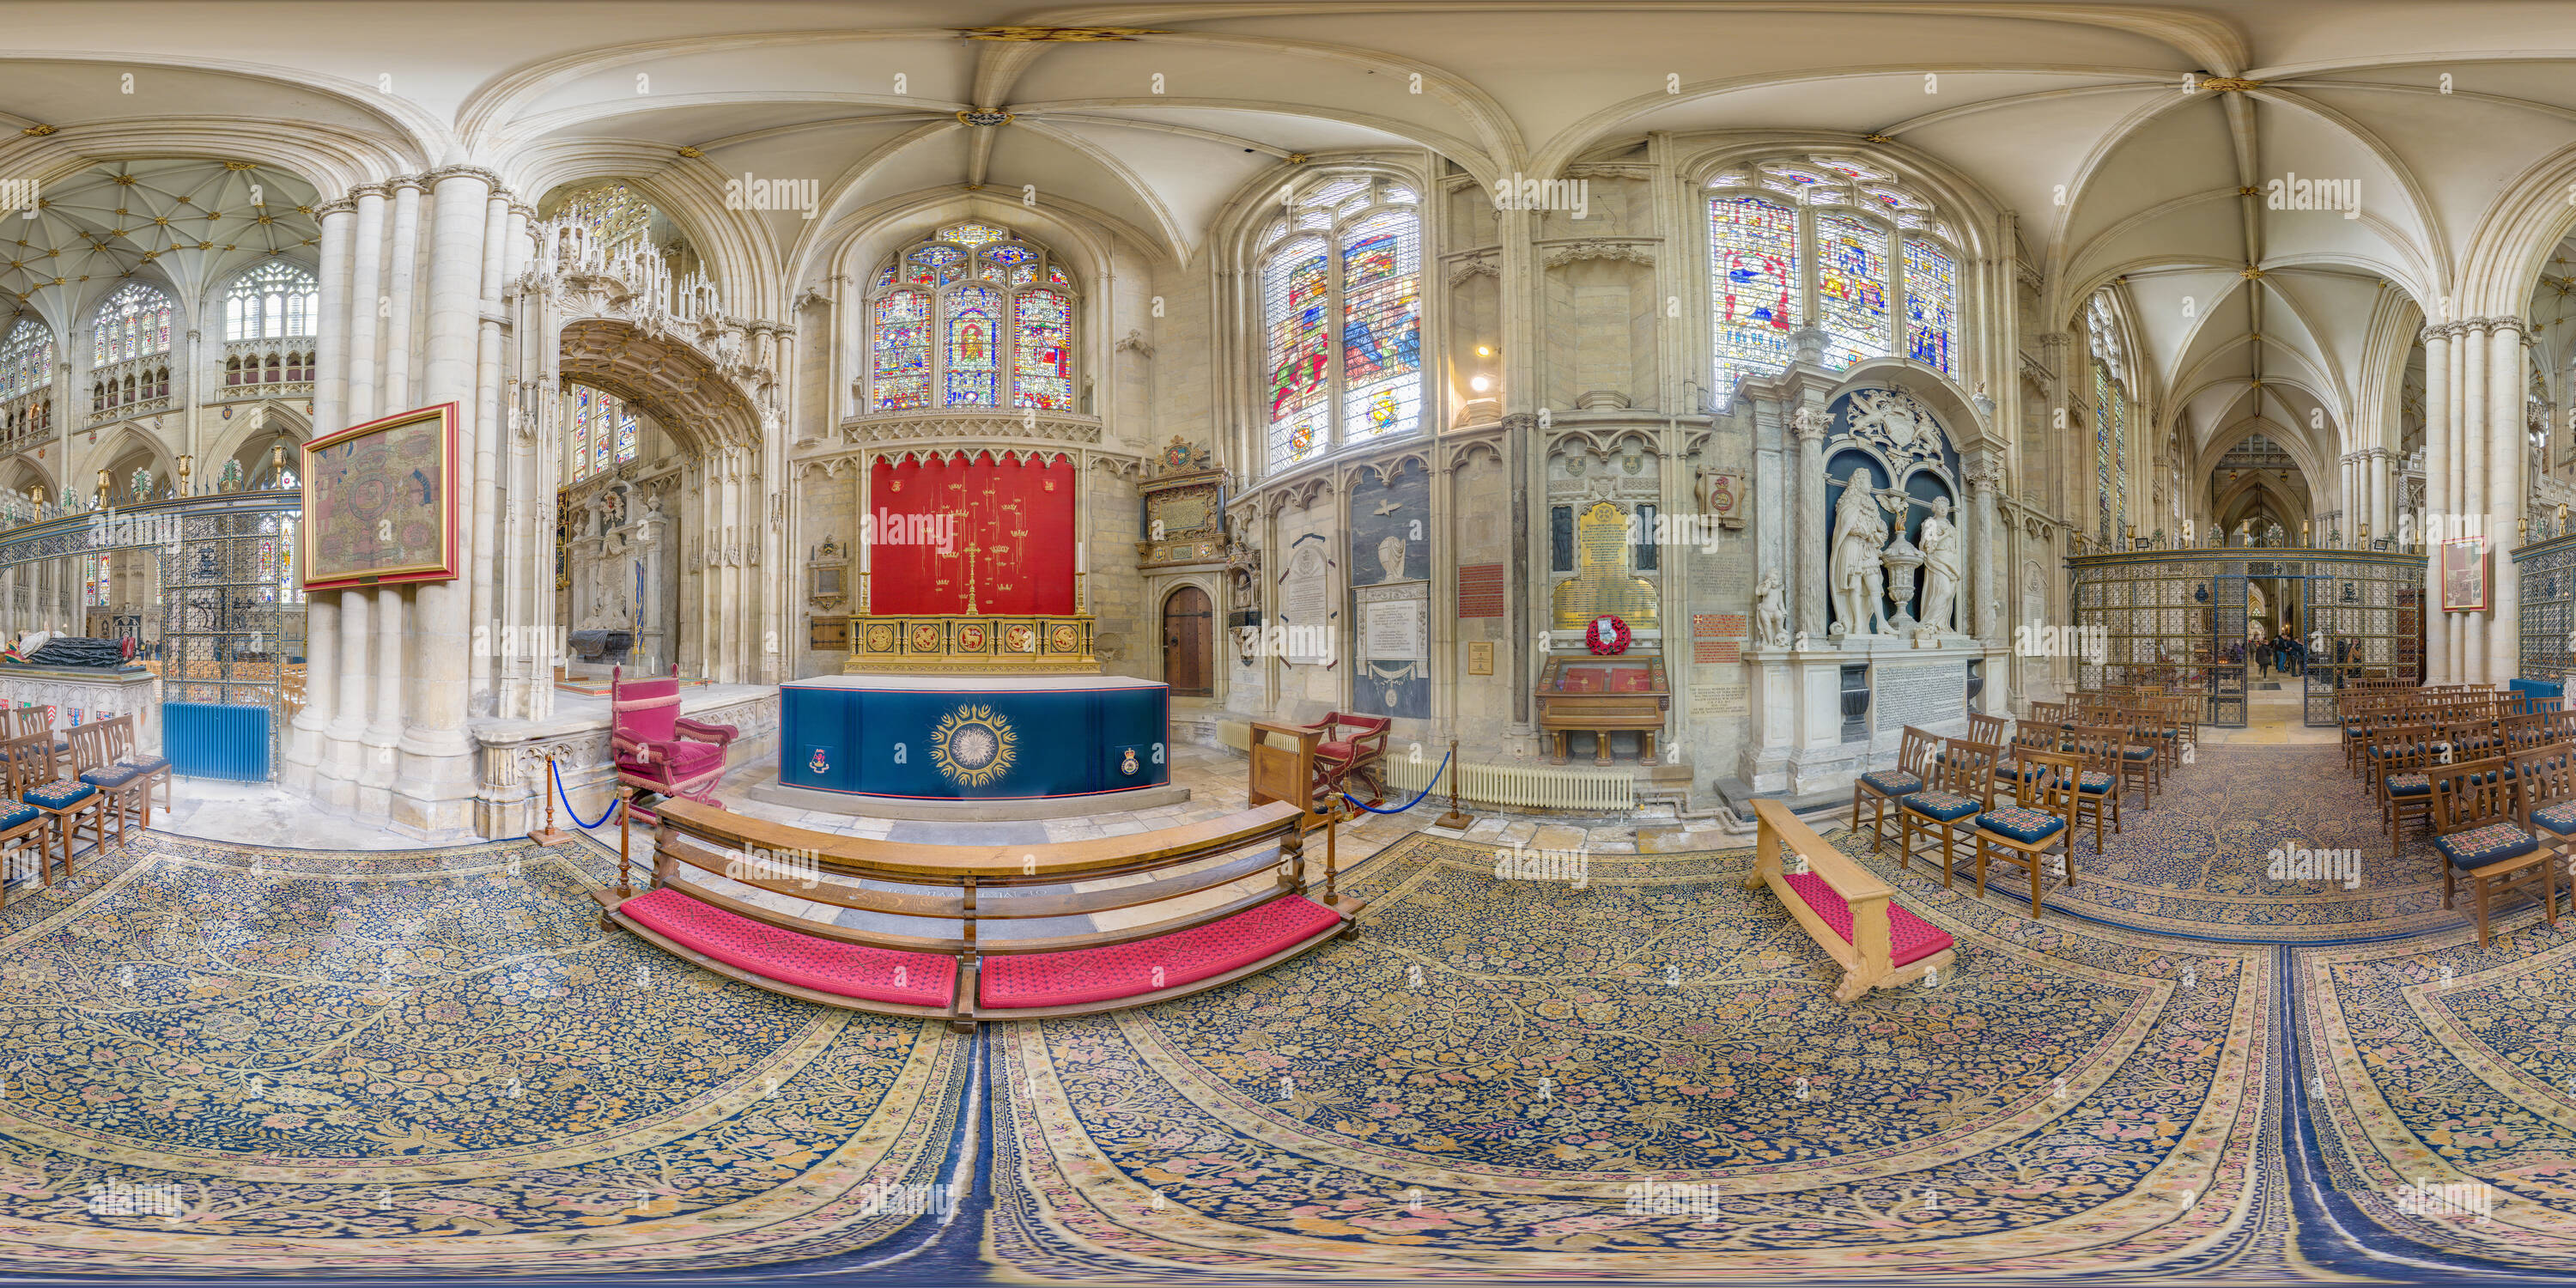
1188,626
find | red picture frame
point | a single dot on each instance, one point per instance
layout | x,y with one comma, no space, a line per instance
356,478
2463,570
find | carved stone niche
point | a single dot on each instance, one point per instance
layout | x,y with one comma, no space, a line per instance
827,574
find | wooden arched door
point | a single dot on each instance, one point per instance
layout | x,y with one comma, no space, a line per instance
1188,629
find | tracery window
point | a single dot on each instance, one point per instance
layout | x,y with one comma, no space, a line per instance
1832,239
973,315
2110,420
26,359
273,300
599,430
134,322
1346,255
613,212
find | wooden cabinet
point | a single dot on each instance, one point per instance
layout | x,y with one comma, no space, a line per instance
1603,695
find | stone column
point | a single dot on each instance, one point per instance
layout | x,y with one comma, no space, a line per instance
2469,475
483,472
341,761
436,788
2437,497
1809,567
330,410
2506,450
1984,479
393,395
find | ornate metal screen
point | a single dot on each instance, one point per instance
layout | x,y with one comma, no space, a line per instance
2177,618
224,639
2548,576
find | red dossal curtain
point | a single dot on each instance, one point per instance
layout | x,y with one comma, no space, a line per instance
1011,521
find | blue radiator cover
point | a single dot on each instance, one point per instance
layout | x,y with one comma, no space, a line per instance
216,740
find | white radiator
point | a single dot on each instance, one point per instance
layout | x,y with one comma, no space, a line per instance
1529,786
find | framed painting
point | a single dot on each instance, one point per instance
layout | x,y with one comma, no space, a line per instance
380,502
2464,575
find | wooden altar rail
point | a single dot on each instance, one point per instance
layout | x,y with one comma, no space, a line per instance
957,890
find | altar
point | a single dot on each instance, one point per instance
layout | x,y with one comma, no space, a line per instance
981,747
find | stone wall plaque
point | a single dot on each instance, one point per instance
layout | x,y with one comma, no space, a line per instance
1480,590
1305,606
1480,658
1922,694
1394,623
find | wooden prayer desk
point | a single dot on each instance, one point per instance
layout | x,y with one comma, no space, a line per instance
1604,694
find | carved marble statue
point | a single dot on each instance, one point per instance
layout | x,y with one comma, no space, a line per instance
1941,567
1771,612
1856,569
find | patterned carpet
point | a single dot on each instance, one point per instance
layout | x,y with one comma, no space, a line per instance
2197,861
425,1061
1474,1084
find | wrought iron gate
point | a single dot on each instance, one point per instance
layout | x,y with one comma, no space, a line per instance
2225,622
2363,621
222,640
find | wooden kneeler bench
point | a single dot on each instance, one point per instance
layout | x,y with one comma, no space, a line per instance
906,929
1853,915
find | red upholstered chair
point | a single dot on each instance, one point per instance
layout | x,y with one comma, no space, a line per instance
658,751
1349,752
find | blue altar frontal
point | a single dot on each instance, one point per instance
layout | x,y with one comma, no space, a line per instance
970,738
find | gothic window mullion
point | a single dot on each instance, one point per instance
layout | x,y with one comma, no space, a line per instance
1336,327
1895,284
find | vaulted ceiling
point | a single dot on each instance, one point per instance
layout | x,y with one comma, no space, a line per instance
2131,143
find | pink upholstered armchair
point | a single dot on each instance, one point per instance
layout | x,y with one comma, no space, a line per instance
657,750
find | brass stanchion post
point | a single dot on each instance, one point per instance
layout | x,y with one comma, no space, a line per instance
548,835
624,888
1456,817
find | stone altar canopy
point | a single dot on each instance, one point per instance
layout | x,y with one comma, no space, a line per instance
1872,608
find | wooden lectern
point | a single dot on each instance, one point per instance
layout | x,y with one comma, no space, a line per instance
1283,765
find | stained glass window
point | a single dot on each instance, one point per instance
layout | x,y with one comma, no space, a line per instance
956,312
1931,303
973,336
98,580
1829,238
1851,289
1382,327
133,322
612,211
1753,250
1349,257
1293,289
902,342
1041,376
26,359
599,429
275,299
2105,475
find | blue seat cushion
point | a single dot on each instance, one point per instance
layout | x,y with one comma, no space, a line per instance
146,761
2559,819
2021,823
2027,773
62,793
112,775
14,815
1892,782
2410,784
2494,843
2140,753
2102,780
1944,806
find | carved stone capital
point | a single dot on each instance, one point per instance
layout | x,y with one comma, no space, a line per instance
1599,248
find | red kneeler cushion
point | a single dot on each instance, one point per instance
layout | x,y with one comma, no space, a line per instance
1127,970
825,965
1909,938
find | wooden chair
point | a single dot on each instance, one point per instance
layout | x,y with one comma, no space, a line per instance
2482,837
1349,754
120,787
2033,826
1912,774
156,769
22,824
2141,761
63,802
2097,785
1963,786
2400,777
31,720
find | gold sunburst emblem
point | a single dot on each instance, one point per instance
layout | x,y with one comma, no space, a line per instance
881,637
974,746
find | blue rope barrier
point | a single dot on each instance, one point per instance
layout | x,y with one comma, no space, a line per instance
557,772
1417,796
